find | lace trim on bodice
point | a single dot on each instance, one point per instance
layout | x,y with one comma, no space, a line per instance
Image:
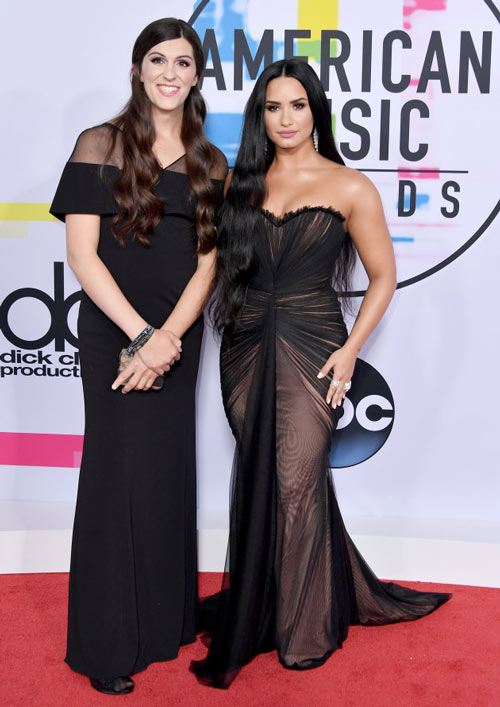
289,215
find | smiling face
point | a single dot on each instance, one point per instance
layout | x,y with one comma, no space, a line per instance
288,118
168,72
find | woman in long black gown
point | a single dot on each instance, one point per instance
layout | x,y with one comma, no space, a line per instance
294,580
138,197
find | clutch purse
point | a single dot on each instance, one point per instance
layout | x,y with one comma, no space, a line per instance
124,359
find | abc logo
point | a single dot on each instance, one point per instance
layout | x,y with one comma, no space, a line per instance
367,420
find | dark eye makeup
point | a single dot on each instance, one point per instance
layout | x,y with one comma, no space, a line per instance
273,107
158,59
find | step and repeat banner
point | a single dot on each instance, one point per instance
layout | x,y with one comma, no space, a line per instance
414,87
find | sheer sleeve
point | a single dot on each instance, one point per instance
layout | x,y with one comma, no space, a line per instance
219,168
218,175
86,183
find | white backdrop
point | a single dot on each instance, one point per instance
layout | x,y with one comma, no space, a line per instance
65,68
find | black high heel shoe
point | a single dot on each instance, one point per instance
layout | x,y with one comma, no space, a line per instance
115,686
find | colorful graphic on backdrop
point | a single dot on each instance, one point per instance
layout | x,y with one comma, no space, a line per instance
403,85
394,90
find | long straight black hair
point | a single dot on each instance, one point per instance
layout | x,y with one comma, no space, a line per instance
237,218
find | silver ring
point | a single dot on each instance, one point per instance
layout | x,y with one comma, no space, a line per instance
347,386
335,384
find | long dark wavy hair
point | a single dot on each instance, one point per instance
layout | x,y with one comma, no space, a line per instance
237,219
140,208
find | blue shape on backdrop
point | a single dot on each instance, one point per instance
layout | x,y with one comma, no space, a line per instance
224,130
233,16
421,201
224,25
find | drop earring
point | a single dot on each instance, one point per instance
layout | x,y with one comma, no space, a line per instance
315,138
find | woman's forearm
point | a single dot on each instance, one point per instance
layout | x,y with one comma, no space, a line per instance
374,304
193,299
82,239
98,283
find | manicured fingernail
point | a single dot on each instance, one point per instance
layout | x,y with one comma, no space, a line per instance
113,387
321,375
328,400
334,405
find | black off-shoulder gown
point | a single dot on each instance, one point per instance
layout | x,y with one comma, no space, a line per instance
133,585
294,580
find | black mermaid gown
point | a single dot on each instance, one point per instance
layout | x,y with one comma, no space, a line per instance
133,577
294,579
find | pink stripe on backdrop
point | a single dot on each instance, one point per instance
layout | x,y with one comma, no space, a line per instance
410,6
417,174
31,449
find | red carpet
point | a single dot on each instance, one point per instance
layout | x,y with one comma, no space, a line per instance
450,658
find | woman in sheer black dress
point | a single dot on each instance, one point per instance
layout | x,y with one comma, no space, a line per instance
294,580
138,197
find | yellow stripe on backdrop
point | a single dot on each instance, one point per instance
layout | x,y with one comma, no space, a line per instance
315,16
25,212
14,218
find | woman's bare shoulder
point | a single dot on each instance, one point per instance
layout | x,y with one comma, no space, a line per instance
354,181
349,174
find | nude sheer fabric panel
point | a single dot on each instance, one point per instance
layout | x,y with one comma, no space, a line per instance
86,185
218,169
294,580
93,146
103,145
179,165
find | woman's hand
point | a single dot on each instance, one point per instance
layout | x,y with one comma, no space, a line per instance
341,363
161,351
136,376
149,362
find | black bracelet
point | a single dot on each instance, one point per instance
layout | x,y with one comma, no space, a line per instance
140,340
